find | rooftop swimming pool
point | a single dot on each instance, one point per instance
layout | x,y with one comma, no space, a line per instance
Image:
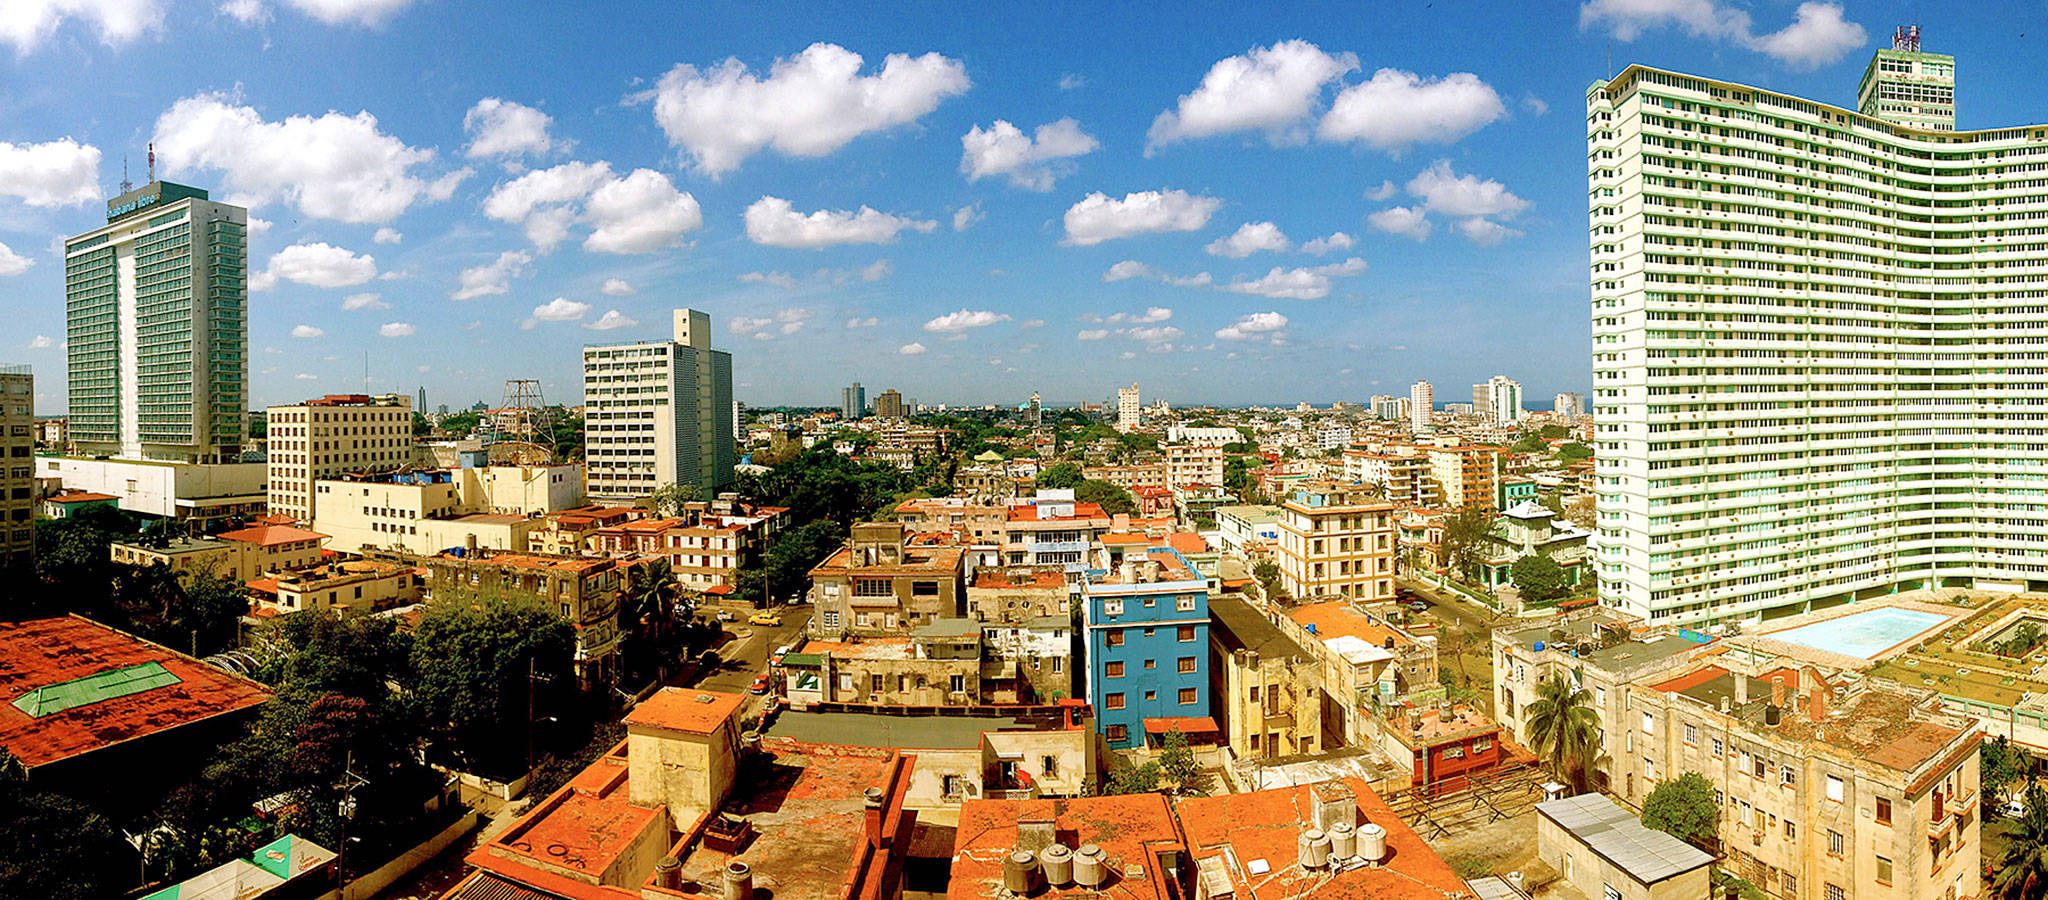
1864,635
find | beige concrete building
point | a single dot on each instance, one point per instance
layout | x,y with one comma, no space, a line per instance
1848,787
659,413
358,585
584,591
1019,594
1592,647
1193,464
1266,688
429,510
239,555
17,470
1129,476
1336,541
334,435
1407,477
961,516
882,584
683,751
1464,475
1601,849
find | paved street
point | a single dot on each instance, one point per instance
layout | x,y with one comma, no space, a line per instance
746,654
1448,607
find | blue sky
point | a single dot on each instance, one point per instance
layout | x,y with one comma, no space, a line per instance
1224,203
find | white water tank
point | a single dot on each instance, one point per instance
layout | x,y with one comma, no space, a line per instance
1515,879
1058,863
1088,868
1315,849
1343,841
1372,842
1017,871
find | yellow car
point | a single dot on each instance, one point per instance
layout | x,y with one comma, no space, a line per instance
766,618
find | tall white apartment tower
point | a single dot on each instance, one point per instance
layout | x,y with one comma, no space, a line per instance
1128,412
659,413
156,324
1503,400
1817,344
1421,400
1569,404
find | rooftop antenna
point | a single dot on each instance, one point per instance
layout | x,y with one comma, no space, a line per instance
126,185
1907,38
152,162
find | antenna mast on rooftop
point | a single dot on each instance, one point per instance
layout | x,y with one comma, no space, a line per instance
152,162
126,185
1907,38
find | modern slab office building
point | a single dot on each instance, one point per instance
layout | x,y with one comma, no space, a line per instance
157,328
659,413
1820,343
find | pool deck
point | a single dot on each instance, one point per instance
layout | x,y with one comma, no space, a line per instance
1764,641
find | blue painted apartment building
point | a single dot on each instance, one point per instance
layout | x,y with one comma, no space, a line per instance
1147,623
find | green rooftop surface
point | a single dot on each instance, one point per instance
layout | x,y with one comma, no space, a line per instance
51,699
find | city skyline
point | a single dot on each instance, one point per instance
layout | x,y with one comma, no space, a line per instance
542,195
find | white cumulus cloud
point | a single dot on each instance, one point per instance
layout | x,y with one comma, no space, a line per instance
1250,238
41,342
1032,161
332,166
26,23
771,221
1132,268
809,105
395,329
1480,206
1296,284
387,236
858,322
1818,34
956,322
306,331
1255,327
317,264
911,349
52,174
1395,110
966,216
12,263
560,309
639,213
1407,221
494,277
1099,218
354,302
1335,241
775,279
611,319
1269,89
617,287
498,127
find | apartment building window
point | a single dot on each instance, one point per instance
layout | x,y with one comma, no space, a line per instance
1609,893
1118,733
1834,843
1114,669
1834,789
959,684
1116,637
1185,634
1184,603
1884,811
924,589
873,587
1187,696
1835,892
1791,831
1649,724
1785,776
1790,883
1884,871
875,683
1187,665
1717,748
1692,735
1151,664
1112,607
1113,701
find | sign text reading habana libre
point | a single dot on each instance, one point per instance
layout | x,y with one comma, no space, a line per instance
149,197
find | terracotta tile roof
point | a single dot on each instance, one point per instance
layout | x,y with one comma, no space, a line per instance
1337,618
1028,512
271,535
997,579
1129,829
692,711
1187,542
41,653
80,497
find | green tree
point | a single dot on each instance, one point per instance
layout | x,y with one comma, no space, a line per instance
1113,500
1999,766
1464,540
1529,443
1684,808
1061,477
1538,578
1268,574
1574,451
49,843
669,499
1553,432
2023,870
1129,779
479,664
1564,730
1177,763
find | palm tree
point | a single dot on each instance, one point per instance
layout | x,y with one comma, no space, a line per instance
651,597
1564,729
2023,872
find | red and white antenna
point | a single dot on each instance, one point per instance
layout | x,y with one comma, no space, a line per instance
1907,38
152,162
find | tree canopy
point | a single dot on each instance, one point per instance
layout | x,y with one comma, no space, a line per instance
1538,578
1564,730
1684,808
49,843
1113,500
475,662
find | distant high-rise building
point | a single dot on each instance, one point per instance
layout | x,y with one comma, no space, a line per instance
889,405
1482,400
1034,414
853,402
1387,407
1421,401
1569,404
336,435
659,413
157,328
1128,412
1503,400
17,476
421,402
1872,431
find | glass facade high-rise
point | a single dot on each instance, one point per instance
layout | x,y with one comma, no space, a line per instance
157,328
659,413
1820,344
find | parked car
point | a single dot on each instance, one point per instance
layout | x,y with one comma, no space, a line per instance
1415,604
780,652
2012,809
726,615
765,618
760,685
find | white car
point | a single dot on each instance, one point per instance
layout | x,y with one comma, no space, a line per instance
2012,809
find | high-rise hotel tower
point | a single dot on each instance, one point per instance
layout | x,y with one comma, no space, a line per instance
157,328
1820,343
659,413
